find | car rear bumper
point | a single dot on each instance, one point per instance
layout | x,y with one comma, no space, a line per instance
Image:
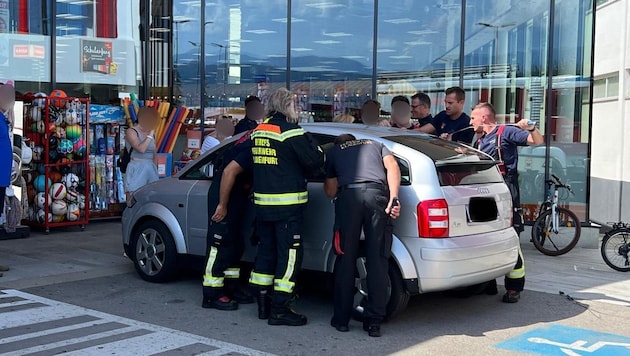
444,264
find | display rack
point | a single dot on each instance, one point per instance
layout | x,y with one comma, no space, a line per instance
58,182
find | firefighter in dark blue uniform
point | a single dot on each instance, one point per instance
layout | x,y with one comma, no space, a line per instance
229,203
501,143
365,177
283,156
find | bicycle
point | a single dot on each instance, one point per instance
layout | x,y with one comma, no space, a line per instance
616,247
556,230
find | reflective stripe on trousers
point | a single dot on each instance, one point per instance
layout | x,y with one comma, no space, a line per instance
285,285
208,279
261,279
232,273
518,271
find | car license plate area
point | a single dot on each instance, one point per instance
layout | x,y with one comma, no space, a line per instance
481,209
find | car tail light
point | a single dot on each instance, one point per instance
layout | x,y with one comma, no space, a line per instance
433,218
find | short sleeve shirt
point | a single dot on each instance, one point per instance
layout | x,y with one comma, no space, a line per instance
511,138
444,124
357,161
425,120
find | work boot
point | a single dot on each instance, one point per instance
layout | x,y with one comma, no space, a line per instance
373,328
223,303
264,304
511,296
286,316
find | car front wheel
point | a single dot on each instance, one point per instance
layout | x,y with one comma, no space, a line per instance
153,251
398,296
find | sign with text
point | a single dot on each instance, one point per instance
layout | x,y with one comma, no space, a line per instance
96,56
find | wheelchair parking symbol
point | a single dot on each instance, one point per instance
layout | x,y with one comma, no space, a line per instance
568,341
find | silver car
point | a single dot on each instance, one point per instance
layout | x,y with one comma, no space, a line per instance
454,229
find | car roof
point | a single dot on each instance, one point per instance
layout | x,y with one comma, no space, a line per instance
337,128
430,145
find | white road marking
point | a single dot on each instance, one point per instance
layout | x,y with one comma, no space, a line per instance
157,339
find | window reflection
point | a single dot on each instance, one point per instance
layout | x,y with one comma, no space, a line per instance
331,57
418,50
507,45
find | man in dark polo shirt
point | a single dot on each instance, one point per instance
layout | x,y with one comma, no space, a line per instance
421,109
365,177
452,124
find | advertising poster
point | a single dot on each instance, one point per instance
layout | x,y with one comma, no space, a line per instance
96,56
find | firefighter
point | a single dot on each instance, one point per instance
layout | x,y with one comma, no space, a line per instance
283,156
365,177
229,202
501,143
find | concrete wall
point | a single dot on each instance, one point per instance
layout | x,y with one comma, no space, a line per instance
610,149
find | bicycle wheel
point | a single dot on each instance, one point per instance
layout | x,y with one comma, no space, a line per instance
552,242
616,249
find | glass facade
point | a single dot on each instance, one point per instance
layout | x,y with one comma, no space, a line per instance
530,59
336,54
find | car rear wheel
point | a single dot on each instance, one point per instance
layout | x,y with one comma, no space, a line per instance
153,251
398,296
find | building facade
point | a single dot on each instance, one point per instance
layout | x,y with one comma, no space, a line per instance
610,171
530,59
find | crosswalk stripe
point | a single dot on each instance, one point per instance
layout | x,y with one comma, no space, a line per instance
44,326
50,331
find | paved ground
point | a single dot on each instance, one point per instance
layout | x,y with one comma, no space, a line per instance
87,270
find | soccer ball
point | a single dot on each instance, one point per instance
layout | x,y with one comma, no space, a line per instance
36,113
65,146
40,126
81,201
59,207
40,182
58,218
73,132
72,195
73,213
41,199
71,180
58,191
58,98
40,99
41,216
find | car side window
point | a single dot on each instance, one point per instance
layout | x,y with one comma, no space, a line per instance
405,175
209,164
325,142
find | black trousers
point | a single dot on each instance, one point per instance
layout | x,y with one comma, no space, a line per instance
226,243
358,209
279,258
515,280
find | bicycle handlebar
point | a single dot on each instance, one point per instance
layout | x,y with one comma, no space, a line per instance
555,180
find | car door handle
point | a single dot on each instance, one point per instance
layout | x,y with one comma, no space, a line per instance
180,205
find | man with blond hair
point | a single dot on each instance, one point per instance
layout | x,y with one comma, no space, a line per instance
283,154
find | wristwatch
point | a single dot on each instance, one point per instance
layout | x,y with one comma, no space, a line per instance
532,130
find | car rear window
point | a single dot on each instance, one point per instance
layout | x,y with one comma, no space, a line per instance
456,164
435,148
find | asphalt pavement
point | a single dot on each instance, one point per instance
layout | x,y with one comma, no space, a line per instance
573,305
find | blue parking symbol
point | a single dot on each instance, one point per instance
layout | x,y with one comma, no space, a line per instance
564,340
